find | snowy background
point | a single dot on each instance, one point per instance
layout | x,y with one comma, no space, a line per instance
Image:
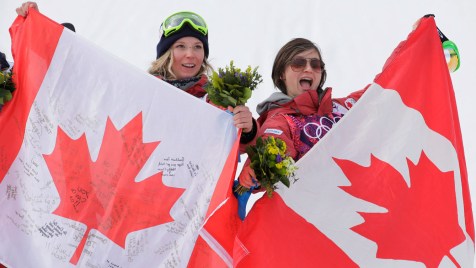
356,37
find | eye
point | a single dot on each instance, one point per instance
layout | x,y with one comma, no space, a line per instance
198,46
298,64
316,64
181,46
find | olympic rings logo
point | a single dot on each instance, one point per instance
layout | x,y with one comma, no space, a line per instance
319,129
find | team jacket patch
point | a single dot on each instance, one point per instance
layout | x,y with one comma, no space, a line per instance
273,131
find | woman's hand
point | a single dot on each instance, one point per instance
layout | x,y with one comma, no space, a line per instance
247,177
23,10
242,117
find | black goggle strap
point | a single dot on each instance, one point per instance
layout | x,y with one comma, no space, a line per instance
448,47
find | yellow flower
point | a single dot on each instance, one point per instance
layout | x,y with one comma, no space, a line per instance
272,149
275,165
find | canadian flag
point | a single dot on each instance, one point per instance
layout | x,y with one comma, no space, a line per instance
387,187
103,165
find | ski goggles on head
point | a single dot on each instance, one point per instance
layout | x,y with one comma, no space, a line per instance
452,55
451,51
176,21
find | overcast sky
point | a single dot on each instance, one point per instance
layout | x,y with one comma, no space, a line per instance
356,37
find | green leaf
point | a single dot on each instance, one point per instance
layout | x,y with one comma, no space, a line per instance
247,93
250,151
285,181
5,95
234,83
232,101
259,142
281,171
224,94
263,162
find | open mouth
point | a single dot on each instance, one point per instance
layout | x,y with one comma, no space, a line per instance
305,83
189,65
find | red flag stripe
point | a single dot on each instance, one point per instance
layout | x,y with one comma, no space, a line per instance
425,100
222,221
13,117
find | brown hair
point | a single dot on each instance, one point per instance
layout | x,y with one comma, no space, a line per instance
286,54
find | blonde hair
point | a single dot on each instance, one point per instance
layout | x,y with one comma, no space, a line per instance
162,66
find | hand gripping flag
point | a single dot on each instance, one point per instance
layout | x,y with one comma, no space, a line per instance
387,186
103,165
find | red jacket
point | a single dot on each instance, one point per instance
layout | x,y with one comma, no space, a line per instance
301,122
196,89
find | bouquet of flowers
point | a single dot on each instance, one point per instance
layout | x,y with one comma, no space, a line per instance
6,87
270,164
231,86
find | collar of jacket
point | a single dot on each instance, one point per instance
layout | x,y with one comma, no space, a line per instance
196,89
308,103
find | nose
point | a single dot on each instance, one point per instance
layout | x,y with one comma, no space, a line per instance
189,51
308,67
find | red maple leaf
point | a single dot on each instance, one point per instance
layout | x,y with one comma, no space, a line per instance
103,194
422,219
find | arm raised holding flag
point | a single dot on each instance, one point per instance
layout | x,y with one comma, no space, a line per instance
385,187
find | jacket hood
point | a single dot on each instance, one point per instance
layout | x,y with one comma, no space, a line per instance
308,103
274,101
